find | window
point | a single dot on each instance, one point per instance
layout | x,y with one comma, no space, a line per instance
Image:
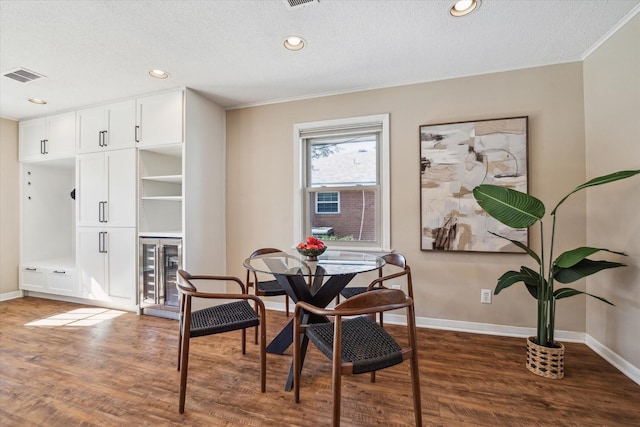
342,182
328,203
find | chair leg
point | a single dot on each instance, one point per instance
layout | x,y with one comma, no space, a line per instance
184,366
415,385
336,385
263,355
286,304
179,346
244,341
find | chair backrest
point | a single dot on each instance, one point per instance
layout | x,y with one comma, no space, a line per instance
397,260
184,283
377,300
258,252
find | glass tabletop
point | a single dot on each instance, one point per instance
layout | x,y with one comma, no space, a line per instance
332,263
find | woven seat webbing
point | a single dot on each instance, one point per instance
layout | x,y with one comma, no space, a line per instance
223,318
271,288
364,343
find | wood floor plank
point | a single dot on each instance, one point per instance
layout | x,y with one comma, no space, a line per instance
119,369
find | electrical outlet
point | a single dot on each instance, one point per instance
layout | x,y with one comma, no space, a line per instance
395,286
485,296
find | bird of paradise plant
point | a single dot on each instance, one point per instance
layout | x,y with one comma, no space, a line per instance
520,210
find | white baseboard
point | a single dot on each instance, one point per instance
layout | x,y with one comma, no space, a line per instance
508,331
621,364
10,295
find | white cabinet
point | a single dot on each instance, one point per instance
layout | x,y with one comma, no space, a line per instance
109,127
160,119
107,264
106,191
48,137
59,281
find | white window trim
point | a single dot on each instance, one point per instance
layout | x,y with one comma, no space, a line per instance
319,203
384,244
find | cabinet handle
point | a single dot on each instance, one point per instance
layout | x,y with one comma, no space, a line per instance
59,271
46,150
136,133
31,269
104,242
102,138
42,146
104,212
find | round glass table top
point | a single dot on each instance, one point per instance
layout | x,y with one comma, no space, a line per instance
331,263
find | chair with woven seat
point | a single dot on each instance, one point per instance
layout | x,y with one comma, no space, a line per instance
266,288
357,345
228,316
394,259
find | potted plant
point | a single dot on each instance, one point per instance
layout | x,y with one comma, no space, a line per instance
520,210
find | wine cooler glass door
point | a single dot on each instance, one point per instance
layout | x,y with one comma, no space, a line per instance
171,264
149,252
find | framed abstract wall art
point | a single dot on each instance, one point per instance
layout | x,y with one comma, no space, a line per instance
454,159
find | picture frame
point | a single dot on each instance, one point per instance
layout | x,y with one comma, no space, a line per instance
454,159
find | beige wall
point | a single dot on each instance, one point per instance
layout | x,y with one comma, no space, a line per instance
447,285
612,109
9,207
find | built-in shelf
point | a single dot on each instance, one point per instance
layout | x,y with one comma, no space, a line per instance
171,179
167,198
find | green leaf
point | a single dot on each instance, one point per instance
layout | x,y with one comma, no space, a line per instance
529,277
522,246
616,176
582,269
569,292
512,208
571,258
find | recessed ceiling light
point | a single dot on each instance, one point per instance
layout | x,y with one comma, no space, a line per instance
37,101
294,43
159,74
464,7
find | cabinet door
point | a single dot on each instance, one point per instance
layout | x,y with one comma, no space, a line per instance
90,124
121,125
32,134
90,190
91,263
121,263
160,119
33,279
61,135
120,172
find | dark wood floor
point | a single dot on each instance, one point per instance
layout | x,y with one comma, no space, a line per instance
120,371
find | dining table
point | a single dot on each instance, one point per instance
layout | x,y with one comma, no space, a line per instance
315,281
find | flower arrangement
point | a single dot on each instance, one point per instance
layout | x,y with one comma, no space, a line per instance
312,248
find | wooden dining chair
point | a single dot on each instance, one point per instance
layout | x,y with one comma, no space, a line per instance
225,317
358,344
265,288
394,259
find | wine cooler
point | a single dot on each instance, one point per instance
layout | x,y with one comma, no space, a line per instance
160,259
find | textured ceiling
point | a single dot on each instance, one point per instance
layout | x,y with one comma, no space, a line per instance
231,51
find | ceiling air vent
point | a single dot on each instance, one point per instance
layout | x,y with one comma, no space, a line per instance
23,75
298,4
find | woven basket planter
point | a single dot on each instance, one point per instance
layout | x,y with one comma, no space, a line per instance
545,361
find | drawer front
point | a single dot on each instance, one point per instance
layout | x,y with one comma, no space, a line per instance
33,279
62,282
